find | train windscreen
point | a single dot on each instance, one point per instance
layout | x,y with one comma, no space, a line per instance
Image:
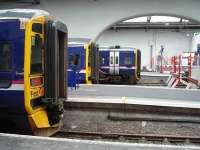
36,55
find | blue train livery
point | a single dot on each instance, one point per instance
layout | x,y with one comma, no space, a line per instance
25,67
82,59
119,64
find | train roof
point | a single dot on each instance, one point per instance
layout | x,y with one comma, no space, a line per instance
22,13
117,49
75,44
79,40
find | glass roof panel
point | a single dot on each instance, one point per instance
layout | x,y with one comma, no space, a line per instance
185,20
139,19
164,19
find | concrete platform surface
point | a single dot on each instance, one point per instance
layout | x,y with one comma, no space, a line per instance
155,74
138,101
22,142
158,96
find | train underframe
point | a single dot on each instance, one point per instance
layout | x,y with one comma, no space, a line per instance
117,79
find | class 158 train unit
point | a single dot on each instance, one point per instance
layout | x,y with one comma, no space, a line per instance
32,72
119,65
83,58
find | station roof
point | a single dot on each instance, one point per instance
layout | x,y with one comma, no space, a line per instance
157,22
157,19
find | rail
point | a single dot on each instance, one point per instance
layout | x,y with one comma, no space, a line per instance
142,138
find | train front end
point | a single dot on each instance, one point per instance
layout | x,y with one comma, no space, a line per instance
32,74
83,59
77,58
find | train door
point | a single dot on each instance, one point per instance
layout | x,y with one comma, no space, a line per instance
116,63
111,62
34,69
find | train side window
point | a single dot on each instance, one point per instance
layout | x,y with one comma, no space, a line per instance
36,54
127,59
5,56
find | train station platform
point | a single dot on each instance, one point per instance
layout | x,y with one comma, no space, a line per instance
22,142
154,78
142,98
155,74
159,96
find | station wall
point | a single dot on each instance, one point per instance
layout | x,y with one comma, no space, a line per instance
174,42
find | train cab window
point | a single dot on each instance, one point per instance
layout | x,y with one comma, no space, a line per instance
37,27
127,59
5,56
36,54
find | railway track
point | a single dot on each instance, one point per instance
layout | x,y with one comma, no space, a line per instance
132,138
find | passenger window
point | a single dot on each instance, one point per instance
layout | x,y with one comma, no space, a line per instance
5,56
36,54
127,59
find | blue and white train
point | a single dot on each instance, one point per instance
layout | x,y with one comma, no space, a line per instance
32,72
119,64
83,58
